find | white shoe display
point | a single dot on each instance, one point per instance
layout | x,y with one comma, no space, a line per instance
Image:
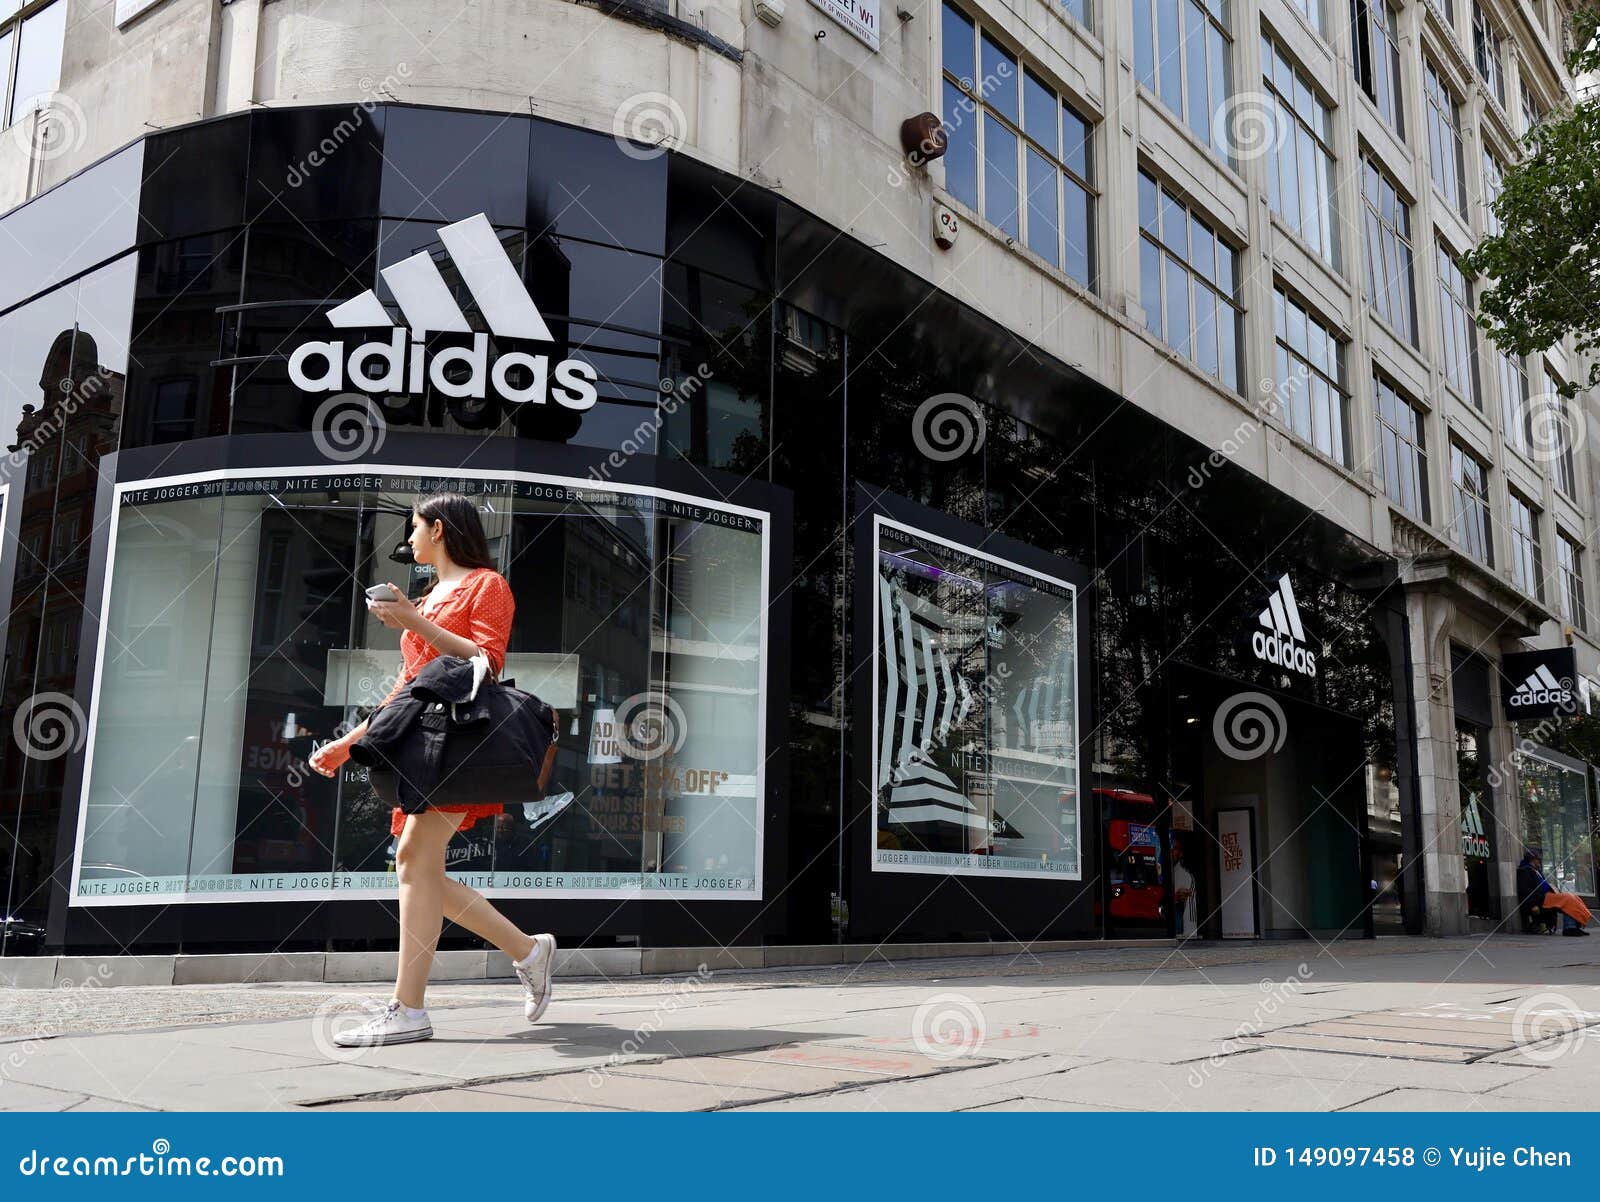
394,1025
534,973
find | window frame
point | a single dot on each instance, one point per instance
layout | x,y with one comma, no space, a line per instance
1488,52
1527,557
1325,186
1572,604
1373,218
983,111
12,28
1218,16
1169,256
1363,61
1469,497
1444,120
1464,339
1288,360
1388,432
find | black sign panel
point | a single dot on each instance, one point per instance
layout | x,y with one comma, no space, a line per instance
1539,684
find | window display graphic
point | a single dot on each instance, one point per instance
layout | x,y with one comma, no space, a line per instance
975,712
236,640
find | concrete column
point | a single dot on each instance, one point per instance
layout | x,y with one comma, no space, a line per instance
1430,616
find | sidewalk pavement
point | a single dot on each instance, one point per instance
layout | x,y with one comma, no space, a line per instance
1506,1023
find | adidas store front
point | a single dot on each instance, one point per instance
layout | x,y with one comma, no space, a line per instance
824,675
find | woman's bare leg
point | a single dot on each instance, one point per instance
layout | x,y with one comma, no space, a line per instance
465,906
419,863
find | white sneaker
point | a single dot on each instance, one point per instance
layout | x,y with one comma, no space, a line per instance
534,973
394,1025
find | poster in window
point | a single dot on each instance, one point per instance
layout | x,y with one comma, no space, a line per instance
975,708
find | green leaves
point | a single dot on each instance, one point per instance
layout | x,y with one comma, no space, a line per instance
1545,262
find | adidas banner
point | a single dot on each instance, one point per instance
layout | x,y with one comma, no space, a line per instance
1539,684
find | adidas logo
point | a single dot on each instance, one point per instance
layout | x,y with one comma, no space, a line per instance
1282,639
1541,688
429,307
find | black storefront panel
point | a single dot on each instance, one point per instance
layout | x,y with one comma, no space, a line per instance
748,358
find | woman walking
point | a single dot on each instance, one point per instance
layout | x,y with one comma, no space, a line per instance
466,610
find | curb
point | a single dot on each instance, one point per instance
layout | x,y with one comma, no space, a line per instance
243,968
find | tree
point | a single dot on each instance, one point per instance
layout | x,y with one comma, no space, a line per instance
1545,262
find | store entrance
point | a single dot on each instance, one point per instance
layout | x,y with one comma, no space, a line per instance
1267,806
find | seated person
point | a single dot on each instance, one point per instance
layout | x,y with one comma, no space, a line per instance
1531,888
1575,915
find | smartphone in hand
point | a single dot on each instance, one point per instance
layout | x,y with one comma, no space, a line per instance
383,592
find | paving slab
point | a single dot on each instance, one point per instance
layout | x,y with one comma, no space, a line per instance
1175,1087
1474,1077
1406,1100
630,1093
445,1101
766,1075
14,1095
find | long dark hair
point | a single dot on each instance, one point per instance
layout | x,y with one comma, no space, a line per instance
464,540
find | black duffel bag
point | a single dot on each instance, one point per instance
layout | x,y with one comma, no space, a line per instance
451,739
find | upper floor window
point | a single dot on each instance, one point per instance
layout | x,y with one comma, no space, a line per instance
1189,284
1516,418
1375,31
1532,110
1311,378
1402,451
30,58
1469,485
1569,559
1527,565
1445,156
1561,436
1300,173
1079,10
1457,331
1494,182
1182,53
1486,52
1312,11
1390,273
1019,154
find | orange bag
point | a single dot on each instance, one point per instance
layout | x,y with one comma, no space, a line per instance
1569,904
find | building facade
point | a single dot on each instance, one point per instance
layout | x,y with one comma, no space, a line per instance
1008,471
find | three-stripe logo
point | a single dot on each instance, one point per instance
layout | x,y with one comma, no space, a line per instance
1281,639
1541,688
428,306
